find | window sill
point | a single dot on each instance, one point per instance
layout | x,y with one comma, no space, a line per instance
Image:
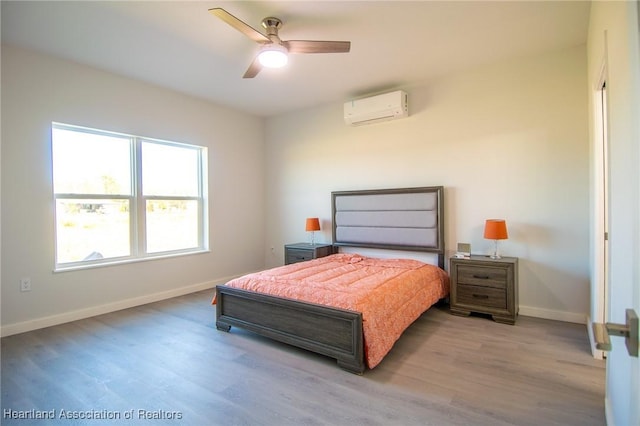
116,262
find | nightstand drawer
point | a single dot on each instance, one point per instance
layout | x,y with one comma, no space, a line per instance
484,276
294,256
485,296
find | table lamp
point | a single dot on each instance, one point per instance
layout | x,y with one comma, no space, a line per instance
313,225
495,229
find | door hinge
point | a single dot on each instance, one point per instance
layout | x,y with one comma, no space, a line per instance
606,236
629,331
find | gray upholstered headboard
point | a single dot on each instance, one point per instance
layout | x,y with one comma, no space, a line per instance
398,219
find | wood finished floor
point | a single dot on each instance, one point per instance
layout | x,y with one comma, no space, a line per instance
169,359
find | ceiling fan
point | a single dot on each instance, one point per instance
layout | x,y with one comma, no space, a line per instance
273,50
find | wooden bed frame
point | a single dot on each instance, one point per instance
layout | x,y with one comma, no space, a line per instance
333,332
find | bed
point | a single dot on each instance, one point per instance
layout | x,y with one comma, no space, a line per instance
313,306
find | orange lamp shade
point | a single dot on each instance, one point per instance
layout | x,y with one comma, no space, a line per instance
313,224
495,229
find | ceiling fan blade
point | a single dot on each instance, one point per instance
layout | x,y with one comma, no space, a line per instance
247,30
314,46
253,69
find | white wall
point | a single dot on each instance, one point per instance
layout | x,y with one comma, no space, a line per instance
37,90
509,140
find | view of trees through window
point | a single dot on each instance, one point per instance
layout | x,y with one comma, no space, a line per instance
125,197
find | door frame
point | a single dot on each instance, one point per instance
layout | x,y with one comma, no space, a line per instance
600,209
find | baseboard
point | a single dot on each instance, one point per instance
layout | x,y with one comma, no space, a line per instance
574,317
35,324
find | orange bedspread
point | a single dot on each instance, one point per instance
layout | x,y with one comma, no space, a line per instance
390,293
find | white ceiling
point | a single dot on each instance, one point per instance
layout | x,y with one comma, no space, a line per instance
394,44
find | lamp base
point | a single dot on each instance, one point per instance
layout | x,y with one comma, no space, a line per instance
495,254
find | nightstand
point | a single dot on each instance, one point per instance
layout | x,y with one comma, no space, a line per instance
485,285
300,252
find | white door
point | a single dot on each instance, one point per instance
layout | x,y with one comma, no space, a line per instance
623,371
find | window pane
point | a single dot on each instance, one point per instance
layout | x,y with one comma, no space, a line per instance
88,163
169,170
171,225
88,230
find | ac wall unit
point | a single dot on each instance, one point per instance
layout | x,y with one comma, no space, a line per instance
388,106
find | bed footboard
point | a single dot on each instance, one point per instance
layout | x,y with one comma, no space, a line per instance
336,333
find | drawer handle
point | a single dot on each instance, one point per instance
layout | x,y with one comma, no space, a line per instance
481,277
480,296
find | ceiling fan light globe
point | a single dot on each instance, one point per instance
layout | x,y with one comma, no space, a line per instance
273,57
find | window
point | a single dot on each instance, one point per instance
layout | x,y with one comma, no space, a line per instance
120,197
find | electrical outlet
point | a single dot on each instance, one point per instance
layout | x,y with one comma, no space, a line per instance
25,284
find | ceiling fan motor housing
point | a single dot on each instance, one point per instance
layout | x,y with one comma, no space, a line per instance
272,25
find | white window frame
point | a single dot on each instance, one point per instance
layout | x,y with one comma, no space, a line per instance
137,203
